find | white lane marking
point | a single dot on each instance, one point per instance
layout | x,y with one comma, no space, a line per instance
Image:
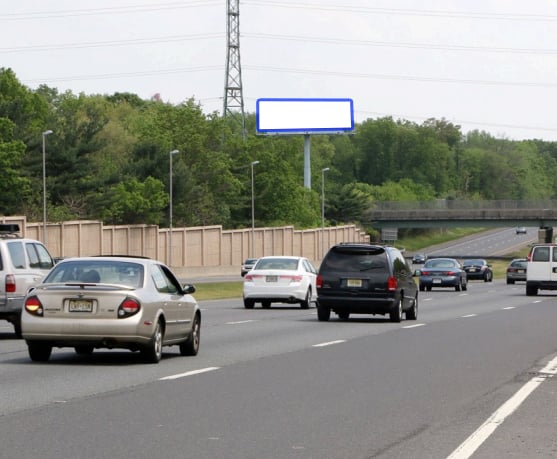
330,343
240,322
468,315
474,441
414,326
188,373
537,301
426,299
508,307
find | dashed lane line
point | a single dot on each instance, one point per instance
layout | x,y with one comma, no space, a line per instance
329,343
188,373
241,322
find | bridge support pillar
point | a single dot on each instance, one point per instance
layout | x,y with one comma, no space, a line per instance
545,234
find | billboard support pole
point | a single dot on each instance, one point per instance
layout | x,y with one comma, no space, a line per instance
307,161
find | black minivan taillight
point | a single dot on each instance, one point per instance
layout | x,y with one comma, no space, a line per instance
392,284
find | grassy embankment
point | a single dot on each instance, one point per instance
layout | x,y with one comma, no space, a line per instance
221,290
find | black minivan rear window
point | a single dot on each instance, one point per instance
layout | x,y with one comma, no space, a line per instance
350,259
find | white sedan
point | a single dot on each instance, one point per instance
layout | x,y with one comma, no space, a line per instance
280,279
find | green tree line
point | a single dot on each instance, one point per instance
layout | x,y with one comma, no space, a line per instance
108,159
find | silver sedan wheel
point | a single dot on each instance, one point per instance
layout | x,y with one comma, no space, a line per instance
152,353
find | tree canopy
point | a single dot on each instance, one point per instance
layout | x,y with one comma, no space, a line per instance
108,159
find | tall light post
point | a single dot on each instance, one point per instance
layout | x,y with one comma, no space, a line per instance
253,163
172,153
45,133
325,169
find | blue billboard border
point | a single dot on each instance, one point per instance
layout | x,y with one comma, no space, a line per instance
302,130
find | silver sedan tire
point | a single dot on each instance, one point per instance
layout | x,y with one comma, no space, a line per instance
191,346
152,353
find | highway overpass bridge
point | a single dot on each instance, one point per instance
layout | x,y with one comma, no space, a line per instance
444,213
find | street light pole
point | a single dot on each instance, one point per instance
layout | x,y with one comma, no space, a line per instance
172,153
45,133
253,163
323,210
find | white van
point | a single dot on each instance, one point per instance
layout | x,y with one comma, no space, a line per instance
541,273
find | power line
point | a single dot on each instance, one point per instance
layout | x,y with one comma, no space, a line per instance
111,43
104,11
390,44
378,76
297,38
522,17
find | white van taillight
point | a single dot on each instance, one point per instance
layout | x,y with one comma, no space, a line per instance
10,283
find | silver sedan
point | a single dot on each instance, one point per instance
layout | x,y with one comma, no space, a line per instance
111,302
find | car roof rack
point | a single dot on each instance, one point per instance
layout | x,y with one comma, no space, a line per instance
9,230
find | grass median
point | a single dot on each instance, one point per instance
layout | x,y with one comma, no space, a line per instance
218,290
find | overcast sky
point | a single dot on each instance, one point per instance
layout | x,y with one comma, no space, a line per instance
483,64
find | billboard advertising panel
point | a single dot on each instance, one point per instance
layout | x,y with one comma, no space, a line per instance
295,116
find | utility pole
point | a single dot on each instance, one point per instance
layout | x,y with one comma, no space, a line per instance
233,94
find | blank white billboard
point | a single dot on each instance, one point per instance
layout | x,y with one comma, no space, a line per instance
291,116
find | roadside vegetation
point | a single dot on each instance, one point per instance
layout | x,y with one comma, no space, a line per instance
107,159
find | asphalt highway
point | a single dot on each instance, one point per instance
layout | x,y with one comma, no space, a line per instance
277,383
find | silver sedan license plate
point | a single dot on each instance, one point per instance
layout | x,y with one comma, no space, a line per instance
80,306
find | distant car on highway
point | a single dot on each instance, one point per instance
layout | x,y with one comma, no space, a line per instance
521,230
478,269
516,270
442,272
247,265
110,302
419,258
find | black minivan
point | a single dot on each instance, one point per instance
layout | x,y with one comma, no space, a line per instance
373,279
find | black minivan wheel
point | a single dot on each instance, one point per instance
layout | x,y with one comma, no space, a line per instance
412,313
323,313
396,313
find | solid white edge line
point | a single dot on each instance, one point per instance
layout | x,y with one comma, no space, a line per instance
188,373
338,341
241,322
474,441
468,315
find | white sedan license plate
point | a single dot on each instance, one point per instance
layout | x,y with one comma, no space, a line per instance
271,278
354,282
80,306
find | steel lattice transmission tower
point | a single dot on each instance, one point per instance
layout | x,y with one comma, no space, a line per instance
233,95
